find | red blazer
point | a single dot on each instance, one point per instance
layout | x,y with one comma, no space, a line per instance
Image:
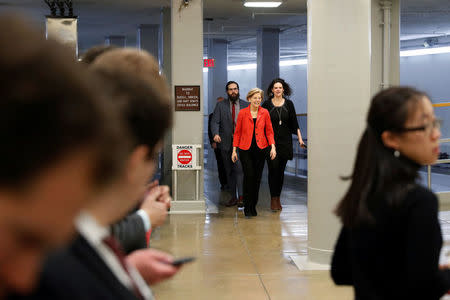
243,134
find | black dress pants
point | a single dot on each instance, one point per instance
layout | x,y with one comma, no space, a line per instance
221,167
252,164
276,175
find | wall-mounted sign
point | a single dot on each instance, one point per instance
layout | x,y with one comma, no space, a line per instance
187,98
208,63
184,157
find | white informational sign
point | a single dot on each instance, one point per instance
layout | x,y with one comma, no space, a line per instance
184,157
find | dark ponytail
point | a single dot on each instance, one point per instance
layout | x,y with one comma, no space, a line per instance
377,174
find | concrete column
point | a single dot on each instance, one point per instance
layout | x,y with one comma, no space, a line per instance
218,75
166,68
339,91
149,38
377,45
116,40
267,56
187,69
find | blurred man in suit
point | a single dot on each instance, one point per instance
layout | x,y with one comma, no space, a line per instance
57,149
98,267
134,230
218,155
222,126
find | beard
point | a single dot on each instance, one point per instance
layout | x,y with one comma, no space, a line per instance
233,98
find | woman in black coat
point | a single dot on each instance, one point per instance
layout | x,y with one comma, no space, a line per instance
390,241
284,123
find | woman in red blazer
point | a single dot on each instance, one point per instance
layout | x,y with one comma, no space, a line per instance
253,135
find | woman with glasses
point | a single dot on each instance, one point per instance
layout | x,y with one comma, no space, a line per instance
390,241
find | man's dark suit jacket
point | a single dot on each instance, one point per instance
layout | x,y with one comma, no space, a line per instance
222,124
130,231
78,273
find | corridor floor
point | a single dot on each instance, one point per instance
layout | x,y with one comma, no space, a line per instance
240,258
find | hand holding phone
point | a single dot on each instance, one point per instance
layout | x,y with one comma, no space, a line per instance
180,261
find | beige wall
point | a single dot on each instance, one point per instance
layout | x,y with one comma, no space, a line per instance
343,52
187,58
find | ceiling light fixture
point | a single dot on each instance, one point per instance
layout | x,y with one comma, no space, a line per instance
242,67
262,4
426,51
303,61
283,63
293,62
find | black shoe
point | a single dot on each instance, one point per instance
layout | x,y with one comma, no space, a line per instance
247,212
253,211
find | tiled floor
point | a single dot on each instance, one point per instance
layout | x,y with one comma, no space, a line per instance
240,258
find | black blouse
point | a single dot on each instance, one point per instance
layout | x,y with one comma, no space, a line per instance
254,145
398,257
284,124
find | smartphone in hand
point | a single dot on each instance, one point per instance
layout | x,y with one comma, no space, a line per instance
180,261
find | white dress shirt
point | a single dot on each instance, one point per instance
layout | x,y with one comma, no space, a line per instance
145,219
94,233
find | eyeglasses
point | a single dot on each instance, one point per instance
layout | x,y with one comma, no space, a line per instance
428,128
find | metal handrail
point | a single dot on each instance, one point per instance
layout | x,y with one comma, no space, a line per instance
437,162
442,104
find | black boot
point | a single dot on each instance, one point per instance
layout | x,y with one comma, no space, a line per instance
247,212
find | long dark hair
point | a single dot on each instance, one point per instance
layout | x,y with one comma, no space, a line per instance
377,174
287,89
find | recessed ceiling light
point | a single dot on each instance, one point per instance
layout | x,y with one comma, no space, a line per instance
426,51
262,4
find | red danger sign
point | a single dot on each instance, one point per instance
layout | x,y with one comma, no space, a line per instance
184,157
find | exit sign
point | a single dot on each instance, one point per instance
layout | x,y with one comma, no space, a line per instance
208,63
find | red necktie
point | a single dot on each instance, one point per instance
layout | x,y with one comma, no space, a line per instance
233,114
116,248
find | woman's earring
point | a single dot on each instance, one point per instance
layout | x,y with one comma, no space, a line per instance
397,153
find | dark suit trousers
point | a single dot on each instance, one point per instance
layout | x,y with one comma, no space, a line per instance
253,165
234,174
276,175
220,167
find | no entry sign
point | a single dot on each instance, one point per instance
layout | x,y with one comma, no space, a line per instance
187,159
184,157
